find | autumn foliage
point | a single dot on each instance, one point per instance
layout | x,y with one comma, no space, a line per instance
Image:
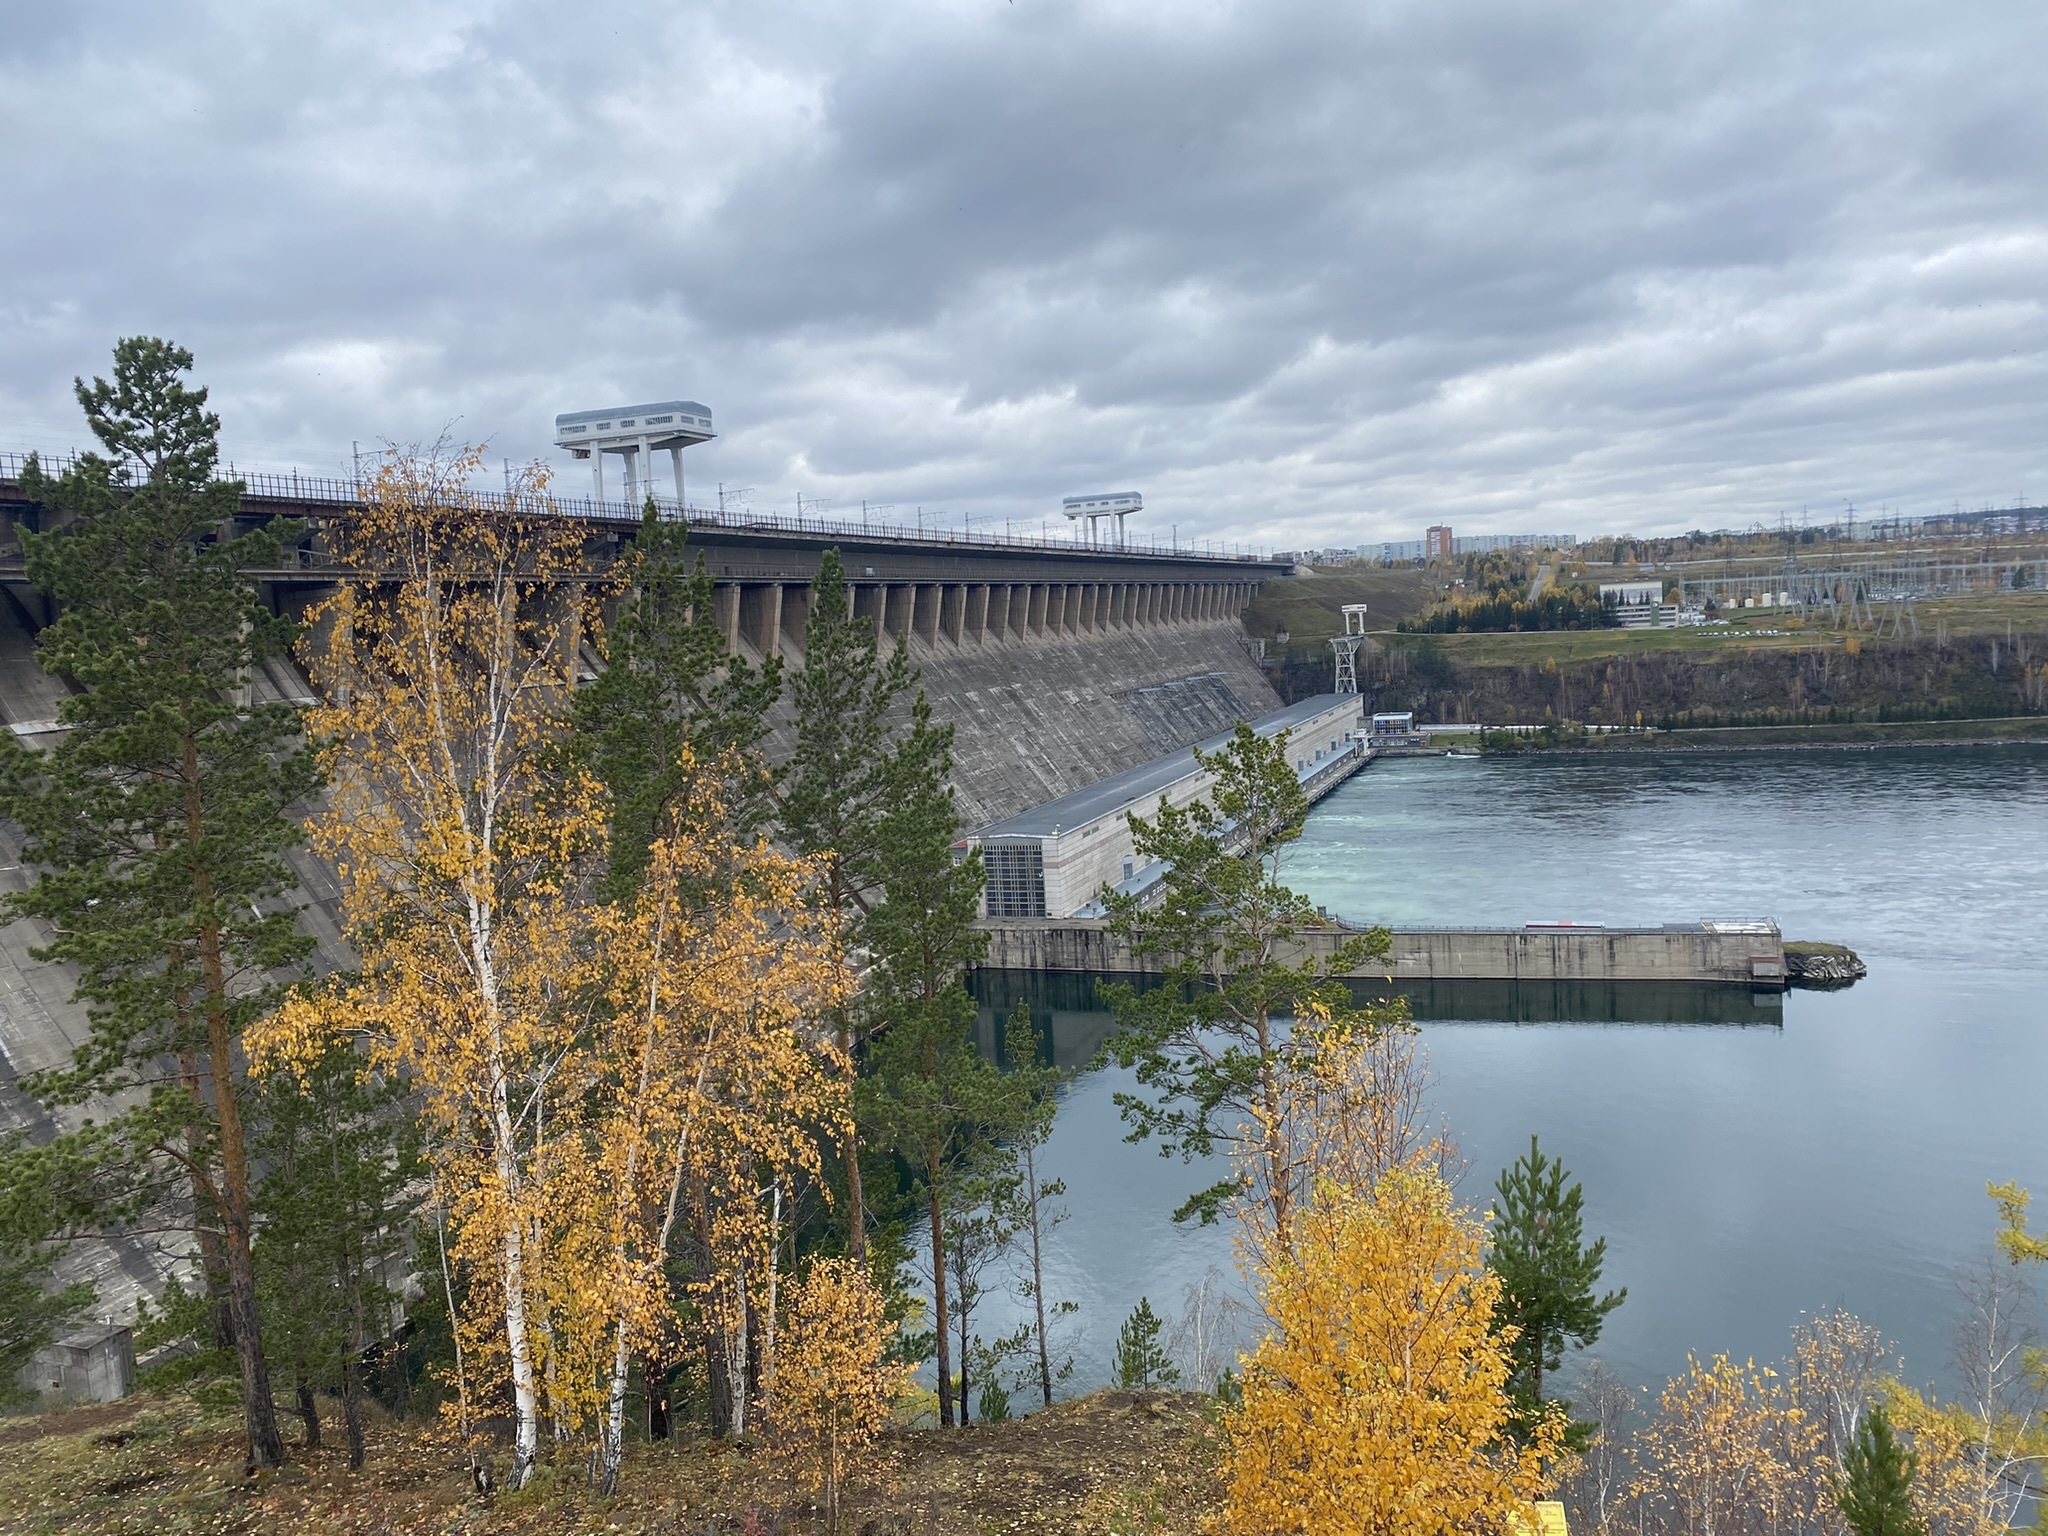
834,1382
586,1069
1378,1402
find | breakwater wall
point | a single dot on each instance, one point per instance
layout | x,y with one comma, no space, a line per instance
1750,954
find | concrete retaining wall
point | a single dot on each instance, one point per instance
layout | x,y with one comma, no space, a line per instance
1745,954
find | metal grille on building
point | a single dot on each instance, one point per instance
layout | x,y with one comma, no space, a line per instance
1016,879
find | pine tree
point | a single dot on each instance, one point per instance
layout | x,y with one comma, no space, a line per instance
672,702
1141,1361
1213,1046
938,1102
1547,1273
342,1166
841,786
1875,1490
1037,1215
156,825
31,1309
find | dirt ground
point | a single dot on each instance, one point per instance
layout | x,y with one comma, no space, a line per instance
1114,1462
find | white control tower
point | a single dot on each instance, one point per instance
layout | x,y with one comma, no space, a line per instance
1116,504
636,433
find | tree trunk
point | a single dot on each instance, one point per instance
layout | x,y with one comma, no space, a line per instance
1275,1148
856,1206
767,1341
939,1296
352,1410
716,1387
259,1413
737,1355
654,1380
832,1471
213,1256
352,1365
611,1450
960,1301
512,1261
1037,1271
309,1412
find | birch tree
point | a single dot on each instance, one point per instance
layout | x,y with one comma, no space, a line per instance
445,659
708,1069
838,1384
1378,1404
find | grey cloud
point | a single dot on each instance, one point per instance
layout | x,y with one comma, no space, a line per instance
1304,272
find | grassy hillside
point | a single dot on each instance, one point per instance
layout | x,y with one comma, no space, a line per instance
165,1466
1979,657
1310,608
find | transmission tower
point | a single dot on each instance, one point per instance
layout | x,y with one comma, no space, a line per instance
1346,648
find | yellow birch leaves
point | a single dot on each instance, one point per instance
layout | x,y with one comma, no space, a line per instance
834,1384
1378,1402
580,1066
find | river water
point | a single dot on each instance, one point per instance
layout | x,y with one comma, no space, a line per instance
1749,1160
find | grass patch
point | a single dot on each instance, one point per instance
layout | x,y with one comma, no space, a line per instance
1310,608
166,1466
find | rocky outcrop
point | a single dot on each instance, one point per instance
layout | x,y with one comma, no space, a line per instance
1821,966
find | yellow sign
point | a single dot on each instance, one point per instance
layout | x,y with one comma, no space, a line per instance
1549,1521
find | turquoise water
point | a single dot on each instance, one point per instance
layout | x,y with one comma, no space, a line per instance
1747,1165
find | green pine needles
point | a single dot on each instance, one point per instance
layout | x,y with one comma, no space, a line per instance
1875,1490
1547,1271
157,826
1212,1046
1142,1364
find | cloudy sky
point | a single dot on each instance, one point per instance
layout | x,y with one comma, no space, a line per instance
1303,273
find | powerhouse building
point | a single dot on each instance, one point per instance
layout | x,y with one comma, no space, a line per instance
1057,859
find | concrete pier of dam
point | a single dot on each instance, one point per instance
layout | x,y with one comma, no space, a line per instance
1745,954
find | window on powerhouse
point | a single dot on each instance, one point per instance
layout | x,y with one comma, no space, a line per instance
1016,879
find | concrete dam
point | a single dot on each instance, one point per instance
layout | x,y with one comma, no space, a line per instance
1058,664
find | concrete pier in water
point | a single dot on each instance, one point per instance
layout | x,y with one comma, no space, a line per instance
1747,954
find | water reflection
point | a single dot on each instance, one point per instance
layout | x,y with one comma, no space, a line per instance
1743,1175
1067,1010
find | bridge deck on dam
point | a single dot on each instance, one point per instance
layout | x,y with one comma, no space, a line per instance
1057,663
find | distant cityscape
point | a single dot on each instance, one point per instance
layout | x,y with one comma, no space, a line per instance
1440,543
